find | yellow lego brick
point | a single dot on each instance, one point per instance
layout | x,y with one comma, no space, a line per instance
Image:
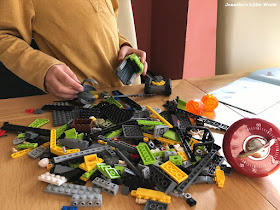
49,166
53,139
183,155
192,142
102,142
174,172
59,151
69,151
46,144
161,139
90,167
159,117
90,159
21,153
142,193
83,178
219,177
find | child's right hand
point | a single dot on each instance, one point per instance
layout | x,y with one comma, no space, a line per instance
61,82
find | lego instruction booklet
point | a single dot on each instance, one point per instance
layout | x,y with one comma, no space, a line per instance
255,93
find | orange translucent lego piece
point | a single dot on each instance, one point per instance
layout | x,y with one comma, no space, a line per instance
142,193
219,177
195,106
210,102
174,172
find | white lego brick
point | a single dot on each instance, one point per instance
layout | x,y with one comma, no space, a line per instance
52,178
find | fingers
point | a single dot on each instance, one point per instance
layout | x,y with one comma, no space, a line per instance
67,80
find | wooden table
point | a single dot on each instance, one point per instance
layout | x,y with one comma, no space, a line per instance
21,189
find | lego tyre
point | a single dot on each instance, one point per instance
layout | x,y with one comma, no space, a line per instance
251,146
168,87
148,84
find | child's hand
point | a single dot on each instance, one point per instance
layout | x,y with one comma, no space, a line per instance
61,82
126,50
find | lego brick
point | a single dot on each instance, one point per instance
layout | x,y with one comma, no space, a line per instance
74,143
71,189
82,125
185,143
37,152
109,158
121,145
163,182
219,177
172,135
130,164
174,172
151,194
62,117
61,130
59,169
108,171
114,133
106,186
89,112
183,155
26,146
217,161
111,100
160,130
149,122
87,175
69,208
125,190
21,153
38,123
116,114
18,141
196,171
145,154
21,129
87,200
203,179
191,202
91,166
176,160
155,205
59,107
71,134
159,117
79,154
52,178
132,132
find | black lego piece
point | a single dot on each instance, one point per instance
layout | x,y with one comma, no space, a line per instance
155,205
58,107
191,202
162,181
204,162
115,114
21,129
217,161
186,145
125,190
88,112
127,100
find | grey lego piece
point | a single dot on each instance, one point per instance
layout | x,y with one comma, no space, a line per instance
167,154
130,164
125,190
18,141
71,189
59,169
186,164
87,200
128,171
159,130
31,135
109,160
74,143
146,172
132,132
144,108
38,111
37,152
106,186
121,145
155,205
79,154
92,146
141,114
204,179
218,160
196,171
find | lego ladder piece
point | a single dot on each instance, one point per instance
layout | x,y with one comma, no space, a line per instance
186,145
127,100
196,171
18,128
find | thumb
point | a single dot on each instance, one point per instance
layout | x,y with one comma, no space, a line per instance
122,54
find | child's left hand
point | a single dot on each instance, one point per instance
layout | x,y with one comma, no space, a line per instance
126,50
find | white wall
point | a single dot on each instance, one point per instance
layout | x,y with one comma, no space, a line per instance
248,38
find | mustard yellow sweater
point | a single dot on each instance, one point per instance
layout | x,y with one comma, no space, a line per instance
83,34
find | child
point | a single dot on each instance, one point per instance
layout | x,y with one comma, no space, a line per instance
77,40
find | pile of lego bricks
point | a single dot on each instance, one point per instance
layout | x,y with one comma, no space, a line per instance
153,154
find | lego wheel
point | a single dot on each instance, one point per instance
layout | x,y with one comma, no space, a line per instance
168,87
148,83
252,147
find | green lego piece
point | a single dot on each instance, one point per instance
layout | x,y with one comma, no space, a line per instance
114,133
35,124
172,135
136,59
197,159
106,124
111,100
147,127
87,175
112,173
201,147
120,168
176,159
27,146
149,122
60,130
80,136
74,165
181,104
145,154
71,134
108,171
161,153
38,123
